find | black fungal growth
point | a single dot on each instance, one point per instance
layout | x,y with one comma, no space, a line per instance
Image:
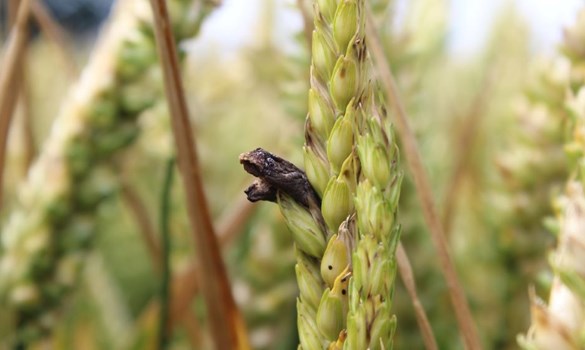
276,174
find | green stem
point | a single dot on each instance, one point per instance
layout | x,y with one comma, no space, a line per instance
165,250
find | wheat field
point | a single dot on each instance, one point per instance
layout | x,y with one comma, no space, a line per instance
359,185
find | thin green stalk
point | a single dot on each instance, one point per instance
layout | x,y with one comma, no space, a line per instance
165,244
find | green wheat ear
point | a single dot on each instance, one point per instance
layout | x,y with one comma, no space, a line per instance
361,197
45,238
345,232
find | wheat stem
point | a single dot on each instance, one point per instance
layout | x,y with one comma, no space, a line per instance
9,86
407,277
22,92
226,322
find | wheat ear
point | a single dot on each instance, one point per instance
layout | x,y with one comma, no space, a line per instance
342,212
44,240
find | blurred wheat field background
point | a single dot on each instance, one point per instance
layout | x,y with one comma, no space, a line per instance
107,242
